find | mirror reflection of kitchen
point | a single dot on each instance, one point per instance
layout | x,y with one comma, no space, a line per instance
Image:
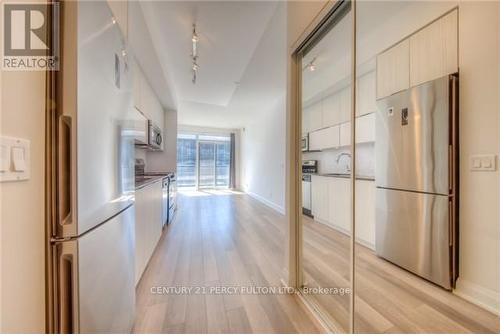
407,274
407,226
326,168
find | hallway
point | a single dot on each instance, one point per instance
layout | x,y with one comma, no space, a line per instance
219,238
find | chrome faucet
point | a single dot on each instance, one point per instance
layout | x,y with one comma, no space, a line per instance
347,154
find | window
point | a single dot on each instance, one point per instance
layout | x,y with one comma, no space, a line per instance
203,161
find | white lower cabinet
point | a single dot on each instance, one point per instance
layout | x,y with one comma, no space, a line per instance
339,215
319,198
331,205
365,213
148,224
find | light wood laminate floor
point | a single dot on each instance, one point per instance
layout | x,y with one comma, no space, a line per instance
388,298
219,239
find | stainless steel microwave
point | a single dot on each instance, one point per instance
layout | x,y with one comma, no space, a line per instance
155,137
304,143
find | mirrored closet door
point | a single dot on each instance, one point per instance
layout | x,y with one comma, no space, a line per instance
326,99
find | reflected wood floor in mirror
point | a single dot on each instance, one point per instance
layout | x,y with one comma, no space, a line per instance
220,238
388,298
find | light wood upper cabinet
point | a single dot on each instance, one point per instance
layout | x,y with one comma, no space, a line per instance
120,12
434,50
393,70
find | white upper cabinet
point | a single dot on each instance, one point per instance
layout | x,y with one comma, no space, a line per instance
345,105
324,138
331,110
315,117
393,70
434,50
306,121
366,96
120,13
365,128
430,53
136,91
345,134
145,99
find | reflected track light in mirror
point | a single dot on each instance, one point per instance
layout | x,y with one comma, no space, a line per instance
311,66
194,53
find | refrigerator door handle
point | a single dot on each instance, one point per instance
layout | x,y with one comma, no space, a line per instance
65,177
67,288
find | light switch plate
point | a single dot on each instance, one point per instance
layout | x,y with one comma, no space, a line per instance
15,159
483,162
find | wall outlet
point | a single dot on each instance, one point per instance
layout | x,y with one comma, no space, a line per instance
483,162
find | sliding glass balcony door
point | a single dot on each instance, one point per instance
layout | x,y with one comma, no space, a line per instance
206,171
203,162
214,163
187,170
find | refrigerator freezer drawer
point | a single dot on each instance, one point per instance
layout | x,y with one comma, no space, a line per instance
413,138
95,288
413,231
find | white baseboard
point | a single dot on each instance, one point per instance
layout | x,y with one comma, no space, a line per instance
481,296
267,202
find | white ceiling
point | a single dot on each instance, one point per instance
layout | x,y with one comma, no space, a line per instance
242,57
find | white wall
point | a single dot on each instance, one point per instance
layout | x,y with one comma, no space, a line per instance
22,271
263,156
479,62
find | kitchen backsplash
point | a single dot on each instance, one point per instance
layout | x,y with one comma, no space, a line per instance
327,160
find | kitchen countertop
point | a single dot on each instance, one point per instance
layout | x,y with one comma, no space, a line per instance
150,178
347,176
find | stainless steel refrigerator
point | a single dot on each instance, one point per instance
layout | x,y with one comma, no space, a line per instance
417,180
91,239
